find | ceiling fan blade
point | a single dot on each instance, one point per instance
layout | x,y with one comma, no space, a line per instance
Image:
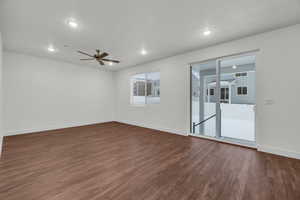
109,60
85,53
102,55
87,59
101,62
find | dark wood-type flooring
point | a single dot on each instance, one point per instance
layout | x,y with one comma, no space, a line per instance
114,161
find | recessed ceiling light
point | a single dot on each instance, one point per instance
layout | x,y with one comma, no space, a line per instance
110,63
206,32
72,23
51,49
143,52
234,67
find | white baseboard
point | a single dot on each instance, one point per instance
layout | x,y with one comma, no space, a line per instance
277,151
177,132
50,127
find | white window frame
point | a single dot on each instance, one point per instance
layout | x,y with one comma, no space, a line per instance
237,90
146,95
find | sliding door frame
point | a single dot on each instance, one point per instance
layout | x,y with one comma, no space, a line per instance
218,104
218,95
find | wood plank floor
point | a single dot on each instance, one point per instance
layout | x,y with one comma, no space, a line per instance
114,161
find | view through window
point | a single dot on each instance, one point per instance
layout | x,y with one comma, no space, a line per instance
145,88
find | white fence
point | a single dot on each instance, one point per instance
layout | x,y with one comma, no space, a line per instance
237,121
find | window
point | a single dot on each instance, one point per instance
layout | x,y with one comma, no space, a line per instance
224,96
211,92
242,90
145,88
241,74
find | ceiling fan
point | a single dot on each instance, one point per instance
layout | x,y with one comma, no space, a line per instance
99,56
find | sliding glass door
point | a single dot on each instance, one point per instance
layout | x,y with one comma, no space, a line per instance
223,98
203,79
237,75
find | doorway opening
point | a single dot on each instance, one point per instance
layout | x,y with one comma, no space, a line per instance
223,99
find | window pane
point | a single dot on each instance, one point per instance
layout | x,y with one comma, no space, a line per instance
149,88
222,93
138,89
145,88
135,88
153,87
245,90
141,88
227,94
239,91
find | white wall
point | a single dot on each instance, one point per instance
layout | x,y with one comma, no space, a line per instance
277,124
41,94
170,114
1,98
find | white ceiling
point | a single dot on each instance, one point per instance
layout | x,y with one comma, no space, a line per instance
124,27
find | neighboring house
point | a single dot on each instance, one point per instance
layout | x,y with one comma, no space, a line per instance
236,88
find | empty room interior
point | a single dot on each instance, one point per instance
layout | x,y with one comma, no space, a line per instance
148,100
